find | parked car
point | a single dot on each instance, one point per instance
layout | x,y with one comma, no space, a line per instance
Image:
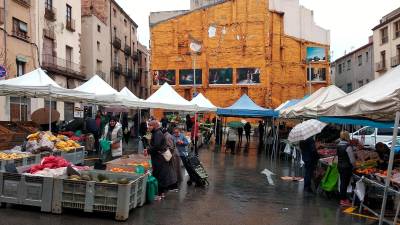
370,135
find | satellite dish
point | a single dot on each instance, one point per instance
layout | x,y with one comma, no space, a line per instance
195,47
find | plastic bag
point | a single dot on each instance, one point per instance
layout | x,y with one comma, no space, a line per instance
360,190
32,146
331,177
288,149
140,147
152,188
44,142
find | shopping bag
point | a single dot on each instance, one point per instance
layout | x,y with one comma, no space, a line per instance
140,147
360,190
105,145
151,188
330,179
287,149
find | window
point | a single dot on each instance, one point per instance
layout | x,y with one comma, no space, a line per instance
98,28
396,28
126,65
19,109
367,81
383,58
360,60
340,68
99,65
348,64
69,13
20,29
367,131
360,83
68,56
115,32
20,68
349,87
125,22
98,45
116,59
53,104
133,29
68,111
384,35
115,12
344,66
49,4
366,56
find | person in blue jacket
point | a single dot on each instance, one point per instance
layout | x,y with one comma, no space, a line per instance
181,143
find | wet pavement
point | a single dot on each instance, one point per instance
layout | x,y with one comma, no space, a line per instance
238,194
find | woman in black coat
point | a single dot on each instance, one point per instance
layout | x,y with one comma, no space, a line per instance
163,171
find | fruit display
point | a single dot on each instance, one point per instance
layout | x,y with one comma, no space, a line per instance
121,170
366,164
367,171
67,145
326,152
47,139
100,178
365,155
12,156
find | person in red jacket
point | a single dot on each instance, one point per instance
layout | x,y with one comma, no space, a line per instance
195,134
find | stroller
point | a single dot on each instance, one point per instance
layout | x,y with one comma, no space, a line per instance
196,171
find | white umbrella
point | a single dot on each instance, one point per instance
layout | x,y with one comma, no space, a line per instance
305,130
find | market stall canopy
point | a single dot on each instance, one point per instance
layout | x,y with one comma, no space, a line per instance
96,86
128,94
38,84
309,106
203,103
287,104
245,107
122,101
167,98
377,100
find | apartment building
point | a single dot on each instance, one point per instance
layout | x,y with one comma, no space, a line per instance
143,72
387,43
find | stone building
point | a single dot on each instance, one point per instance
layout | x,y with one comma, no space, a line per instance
261,48
143,72
354,69
387,43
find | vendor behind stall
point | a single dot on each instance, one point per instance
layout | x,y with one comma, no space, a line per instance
113,134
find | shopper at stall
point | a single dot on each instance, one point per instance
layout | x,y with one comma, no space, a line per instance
310,158
240,134
113,134
189,123
261,132
247,130
162,169
346,162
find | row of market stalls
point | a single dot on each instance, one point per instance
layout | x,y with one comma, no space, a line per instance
376,104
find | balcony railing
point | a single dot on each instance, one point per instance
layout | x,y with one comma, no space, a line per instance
49,33
116,42
70,24
2,19
395,61
19,34
117,68
50,13
127,50
53,63
26,3
380,66
101,74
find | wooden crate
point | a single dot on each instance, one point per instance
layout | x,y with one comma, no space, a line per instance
28,126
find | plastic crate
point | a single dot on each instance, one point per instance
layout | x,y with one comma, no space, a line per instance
91,196
76,156
127,163
26,161
26,190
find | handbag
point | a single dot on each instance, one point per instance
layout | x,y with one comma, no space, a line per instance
330,179
115,145
167,155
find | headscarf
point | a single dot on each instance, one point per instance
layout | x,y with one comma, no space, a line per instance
154,124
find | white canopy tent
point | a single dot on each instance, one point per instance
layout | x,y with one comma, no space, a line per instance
309,106
37,84
167,98
203,103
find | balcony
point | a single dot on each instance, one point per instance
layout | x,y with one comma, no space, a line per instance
101,74
116,42
395,61
380,66
127,50
135,56
20,35
117,68
50,13
2,19
58,65
26,3
49,33
129,73
70,25
135,77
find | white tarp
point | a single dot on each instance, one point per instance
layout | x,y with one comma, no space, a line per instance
203,103
37,84
96,86
128,94
309,106
167,98
378,100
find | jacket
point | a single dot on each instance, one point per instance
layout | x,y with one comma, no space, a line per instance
309,151
182,148
116,137
345,155
232,134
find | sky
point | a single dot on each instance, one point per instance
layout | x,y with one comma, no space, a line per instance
349,21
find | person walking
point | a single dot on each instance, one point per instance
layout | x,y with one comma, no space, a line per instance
176,160
231,141
125,128
247,130
162,169
310,158
346,162
240,134
113,134
261,132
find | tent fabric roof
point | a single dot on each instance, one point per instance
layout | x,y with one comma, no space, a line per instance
288,104
127,93
38,84
377,100
245,107
309,107
97,86
203,103
167,98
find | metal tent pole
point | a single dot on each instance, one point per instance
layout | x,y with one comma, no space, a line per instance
389,170
50,115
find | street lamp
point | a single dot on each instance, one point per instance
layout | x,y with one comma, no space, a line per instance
195,47
309,76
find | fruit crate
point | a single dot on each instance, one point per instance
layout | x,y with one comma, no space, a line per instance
25,161
128,164
27,190
18,135
75,156
94,196
28,126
